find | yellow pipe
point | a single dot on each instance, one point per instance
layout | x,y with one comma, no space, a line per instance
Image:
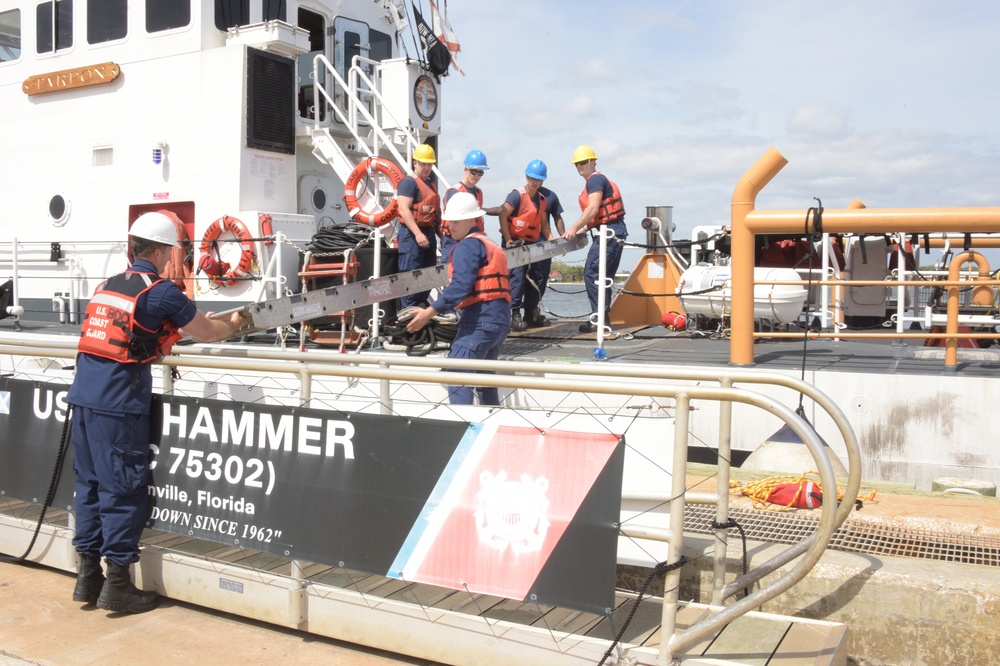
951,345
865,335
875,220
747,222
744,199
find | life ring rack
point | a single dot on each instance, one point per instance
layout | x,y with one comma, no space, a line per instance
365,167
221,272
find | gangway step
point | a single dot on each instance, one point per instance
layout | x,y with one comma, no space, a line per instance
435,623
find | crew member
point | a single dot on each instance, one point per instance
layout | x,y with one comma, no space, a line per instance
420,214
601,204
479,291
132,319
535,291
475,167
524,219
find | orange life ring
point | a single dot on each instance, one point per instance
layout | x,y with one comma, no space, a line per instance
384,167
234,226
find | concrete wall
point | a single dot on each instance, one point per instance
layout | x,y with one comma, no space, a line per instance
898,610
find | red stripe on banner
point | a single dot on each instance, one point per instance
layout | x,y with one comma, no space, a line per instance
496,536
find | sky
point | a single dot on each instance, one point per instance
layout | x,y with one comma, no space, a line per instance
892,102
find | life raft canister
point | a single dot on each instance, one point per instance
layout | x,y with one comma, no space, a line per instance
221,272
382,166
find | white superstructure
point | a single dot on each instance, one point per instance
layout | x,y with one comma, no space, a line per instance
203,109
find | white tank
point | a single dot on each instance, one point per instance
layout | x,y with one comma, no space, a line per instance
780,302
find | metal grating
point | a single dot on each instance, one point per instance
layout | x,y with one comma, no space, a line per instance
858,537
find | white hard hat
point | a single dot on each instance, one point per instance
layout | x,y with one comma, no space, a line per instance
156,227
462,206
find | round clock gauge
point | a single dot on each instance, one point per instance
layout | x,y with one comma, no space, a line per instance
425,97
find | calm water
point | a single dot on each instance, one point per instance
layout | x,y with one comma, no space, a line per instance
566,299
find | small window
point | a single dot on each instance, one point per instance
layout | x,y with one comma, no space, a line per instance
107,20
273,10
103,156
381,45
10,35
231,13
167,14
54,29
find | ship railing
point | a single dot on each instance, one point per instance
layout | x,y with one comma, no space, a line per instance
855,219
352,93
685,386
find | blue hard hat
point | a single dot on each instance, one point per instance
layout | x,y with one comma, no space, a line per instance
476,160
537,169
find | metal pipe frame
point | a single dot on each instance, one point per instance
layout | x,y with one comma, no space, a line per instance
747,222
556,377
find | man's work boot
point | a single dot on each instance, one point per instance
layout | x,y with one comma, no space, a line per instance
120,595
536,319
89,580
516,324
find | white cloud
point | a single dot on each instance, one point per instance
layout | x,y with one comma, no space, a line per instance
820,121
892,102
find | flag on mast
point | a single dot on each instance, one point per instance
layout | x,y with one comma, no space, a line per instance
447,36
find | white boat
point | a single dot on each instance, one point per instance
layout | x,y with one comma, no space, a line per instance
248,124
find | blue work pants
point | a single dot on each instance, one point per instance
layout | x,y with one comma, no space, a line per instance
111,460
475,339
411,257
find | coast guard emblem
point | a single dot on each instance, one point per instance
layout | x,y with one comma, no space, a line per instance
512,513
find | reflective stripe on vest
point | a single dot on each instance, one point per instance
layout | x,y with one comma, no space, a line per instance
492,279
109,326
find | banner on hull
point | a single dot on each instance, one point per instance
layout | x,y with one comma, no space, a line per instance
508,511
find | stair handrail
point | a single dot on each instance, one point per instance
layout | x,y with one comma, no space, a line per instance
355,104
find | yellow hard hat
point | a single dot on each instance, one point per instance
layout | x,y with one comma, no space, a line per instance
424,153
583,154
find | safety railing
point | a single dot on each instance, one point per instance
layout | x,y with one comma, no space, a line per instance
352,94
726,387
748,222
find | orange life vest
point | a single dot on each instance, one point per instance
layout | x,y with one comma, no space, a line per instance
492,279
428,209
478,193
109,326
526,225
611,209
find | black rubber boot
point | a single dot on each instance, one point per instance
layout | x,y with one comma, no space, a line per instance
89,580
536,319
119,594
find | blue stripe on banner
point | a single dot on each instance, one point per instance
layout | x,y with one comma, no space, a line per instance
458,459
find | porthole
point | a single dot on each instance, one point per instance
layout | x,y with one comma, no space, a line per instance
59,209
319,199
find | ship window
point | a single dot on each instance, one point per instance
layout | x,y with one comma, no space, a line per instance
54,27
231,13
274,10
10,35
107,20
103,156
167,14
381,45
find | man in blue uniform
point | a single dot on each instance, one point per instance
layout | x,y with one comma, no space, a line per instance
132,319
535,291
419,217
524,219
475,168
601,204
479,291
